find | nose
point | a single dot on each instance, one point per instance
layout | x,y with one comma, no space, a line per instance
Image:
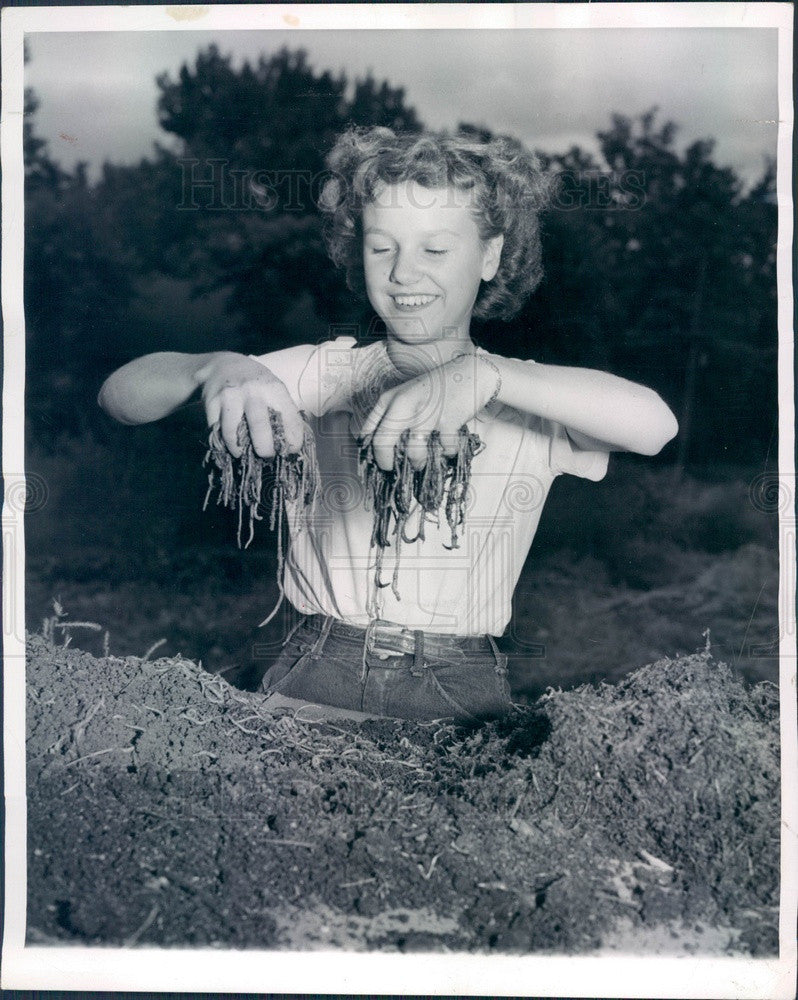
405,269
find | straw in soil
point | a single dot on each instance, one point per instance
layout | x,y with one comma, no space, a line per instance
153,783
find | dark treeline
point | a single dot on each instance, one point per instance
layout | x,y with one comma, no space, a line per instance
660,265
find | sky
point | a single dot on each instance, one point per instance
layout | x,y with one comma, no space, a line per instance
552,88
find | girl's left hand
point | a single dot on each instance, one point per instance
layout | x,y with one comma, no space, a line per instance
442,400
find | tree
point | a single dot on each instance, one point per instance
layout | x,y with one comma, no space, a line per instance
77,287
660,268
251,164
40,170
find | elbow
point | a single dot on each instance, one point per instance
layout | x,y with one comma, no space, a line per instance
108,401
102,400
662,429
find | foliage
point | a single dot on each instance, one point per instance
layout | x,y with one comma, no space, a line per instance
661,269
79,283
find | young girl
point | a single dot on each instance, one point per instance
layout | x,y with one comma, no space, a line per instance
436,230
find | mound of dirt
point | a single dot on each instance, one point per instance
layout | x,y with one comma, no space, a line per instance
166,807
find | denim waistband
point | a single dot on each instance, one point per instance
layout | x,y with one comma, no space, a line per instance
387,639
404,638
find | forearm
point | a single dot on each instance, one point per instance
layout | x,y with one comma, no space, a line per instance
622,414
153,386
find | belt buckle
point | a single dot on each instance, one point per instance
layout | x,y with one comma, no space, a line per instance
391,640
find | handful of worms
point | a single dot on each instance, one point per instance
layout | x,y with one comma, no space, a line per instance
240,482
440,486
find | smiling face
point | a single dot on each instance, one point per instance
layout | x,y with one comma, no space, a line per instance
423,262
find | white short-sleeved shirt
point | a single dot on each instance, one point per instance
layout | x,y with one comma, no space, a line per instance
462,591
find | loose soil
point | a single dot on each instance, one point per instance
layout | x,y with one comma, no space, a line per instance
167,808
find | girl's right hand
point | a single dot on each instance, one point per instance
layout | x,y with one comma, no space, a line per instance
235,386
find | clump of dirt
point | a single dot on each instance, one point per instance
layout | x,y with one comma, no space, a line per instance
168,808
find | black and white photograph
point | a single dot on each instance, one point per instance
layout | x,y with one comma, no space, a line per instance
399,513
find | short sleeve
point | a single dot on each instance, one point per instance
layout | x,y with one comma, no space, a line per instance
566,456
317,377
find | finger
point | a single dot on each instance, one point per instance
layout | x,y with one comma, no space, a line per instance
450,443
383,445
278,430
212,390
417,449
213,410
232,414
260,430
374,418
293,428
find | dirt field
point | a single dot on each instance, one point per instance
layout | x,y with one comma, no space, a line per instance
167,808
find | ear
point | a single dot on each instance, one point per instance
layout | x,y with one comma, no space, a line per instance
492,256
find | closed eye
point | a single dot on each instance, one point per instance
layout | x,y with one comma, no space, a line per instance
436,252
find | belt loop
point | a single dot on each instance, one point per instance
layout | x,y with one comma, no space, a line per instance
318,645
371,628
499,657
418,656
368,642
290,635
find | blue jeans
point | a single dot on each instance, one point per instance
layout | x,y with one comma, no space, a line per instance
394,672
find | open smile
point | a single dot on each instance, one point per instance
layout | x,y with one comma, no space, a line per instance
412,303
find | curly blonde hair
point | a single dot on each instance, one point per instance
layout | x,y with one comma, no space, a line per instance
510,191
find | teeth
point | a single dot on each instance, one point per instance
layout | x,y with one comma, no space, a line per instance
413,300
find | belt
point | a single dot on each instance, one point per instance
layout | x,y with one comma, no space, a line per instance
383,636
387,639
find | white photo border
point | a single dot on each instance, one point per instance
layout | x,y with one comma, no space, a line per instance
206,970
